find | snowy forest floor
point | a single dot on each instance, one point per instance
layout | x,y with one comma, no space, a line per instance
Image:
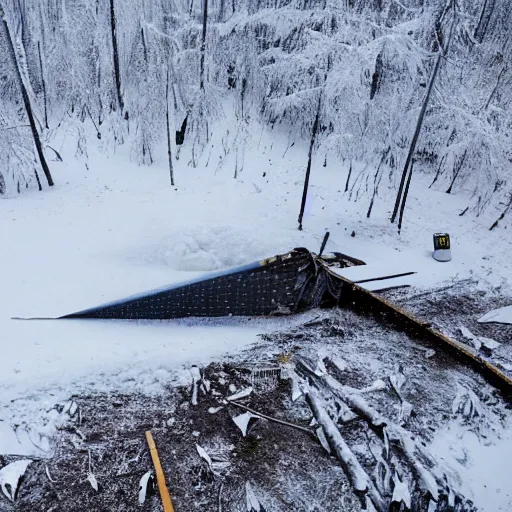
114,229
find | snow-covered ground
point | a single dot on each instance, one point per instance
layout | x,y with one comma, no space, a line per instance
116,229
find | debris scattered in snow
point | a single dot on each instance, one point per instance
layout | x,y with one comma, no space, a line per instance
401,492
47,471
467,404
378,385
196,378
405,412
340,364
10,476
501,316
296,390
242,421
90,477
397,380
242,394
479,341
253,505
202,453
144,485
92,480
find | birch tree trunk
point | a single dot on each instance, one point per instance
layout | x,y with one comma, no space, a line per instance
26,101
169,154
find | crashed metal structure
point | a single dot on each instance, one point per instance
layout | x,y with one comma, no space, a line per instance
285,284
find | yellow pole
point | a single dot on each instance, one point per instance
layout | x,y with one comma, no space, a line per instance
160,478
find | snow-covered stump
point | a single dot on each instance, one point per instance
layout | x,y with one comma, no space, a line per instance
356,473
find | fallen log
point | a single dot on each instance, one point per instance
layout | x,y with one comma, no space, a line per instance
356,473
381,425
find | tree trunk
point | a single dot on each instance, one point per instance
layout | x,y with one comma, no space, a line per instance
308,170
419,123
203,42
26,101
348,177
45,98
171,169
376,181
502,216
483,22
115,54
458,167
404,200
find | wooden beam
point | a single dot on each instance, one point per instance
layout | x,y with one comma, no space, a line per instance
160,478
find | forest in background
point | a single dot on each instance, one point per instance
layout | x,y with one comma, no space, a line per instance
148,72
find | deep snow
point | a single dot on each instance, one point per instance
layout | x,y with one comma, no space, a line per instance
116,229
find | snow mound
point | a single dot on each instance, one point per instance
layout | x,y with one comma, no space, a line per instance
204,248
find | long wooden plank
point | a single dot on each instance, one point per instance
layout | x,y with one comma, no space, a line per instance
160,478
369,303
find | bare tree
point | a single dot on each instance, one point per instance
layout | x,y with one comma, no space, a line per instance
404,200
115,54
419,123
169,154
308,169
43,82
26,100
502,216
203,42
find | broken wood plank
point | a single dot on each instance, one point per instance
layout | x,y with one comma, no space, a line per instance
160,478
356,473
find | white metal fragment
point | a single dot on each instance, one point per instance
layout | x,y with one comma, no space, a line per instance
296,391
340,364
253,505
196,378
47,471
202,453
143,486
92,480
401,491
501,315
242,421
10,476
378,385
242,394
